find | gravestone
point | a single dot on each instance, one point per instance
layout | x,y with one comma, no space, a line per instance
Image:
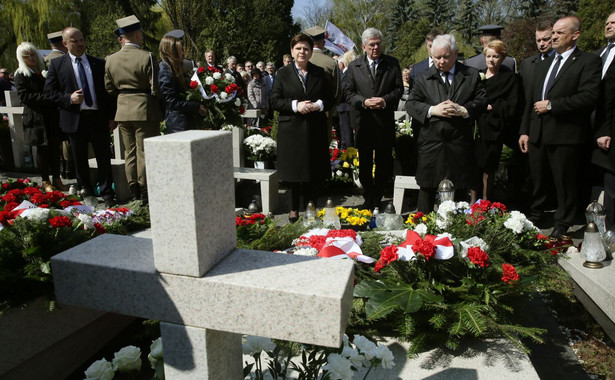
14,110
190,276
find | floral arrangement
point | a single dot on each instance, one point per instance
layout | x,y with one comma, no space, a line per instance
224,99
127,361
403,128
316,363
260,148
458,273
251,227
344,162
350,216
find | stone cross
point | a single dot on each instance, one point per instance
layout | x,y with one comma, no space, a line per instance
14,110
190,276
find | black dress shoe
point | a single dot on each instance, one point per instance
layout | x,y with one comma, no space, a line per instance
558,232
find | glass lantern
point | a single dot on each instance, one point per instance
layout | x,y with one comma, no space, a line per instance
331,219
592,250
389,220
595,213
252,209
446,190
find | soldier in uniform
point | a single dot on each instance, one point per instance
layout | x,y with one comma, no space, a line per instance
488,34
132,75
319,58
57,48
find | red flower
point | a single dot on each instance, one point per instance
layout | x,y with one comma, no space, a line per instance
499,206
194,84
509,274
210,68
425,248
230,88
478,256
99,228
213,88
242,110
201,70
5,185
542,237
10,206
60,221
5,217
342,233
9,198
387,256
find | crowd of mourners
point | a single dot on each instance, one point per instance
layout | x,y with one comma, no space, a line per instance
554,110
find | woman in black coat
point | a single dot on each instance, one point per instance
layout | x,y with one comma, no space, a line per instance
180,113
502,116
301,93
40,116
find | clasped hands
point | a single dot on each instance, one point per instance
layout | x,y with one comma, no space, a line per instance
307,106
374,103
448,109
604,142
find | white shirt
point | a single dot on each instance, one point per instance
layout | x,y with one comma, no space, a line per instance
90,79
609,60
565,55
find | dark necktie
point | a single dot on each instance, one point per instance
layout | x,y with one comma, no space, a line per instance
558,60
373,69
84,83
447,84
605,55
544,56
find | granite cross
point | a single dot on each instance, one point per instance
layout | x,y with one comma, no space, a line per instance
14,111
191,277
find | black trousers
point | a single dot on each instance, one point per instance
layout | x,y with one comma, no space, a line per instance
374,185
562,163
93,129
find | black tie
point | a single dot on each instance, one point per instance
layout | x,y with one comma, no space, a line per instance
447,84
558,60
84,83
373,69
605,55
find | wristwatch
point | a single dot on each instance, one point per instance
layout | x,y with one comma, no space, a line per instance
549,106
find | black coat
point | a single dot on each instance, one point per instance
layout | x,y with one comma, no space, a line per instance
374,128
504,95
180,113
303,143
40,116
605,119
446,146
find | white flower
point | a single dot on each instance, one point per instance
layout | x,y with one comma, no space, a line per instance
572,249
516,222
100,370
339,173
256,344
44,73
474,241
155,352
353,355
446,234
446,207
217,75
209,80
346,175
39,214
229,77
305,251
237,102
463,205
127,359
421,229
339,368
442,223
88,222
364,345
223,95
383,353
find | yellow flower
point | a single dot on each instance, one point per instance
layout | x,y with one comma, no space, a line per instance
321,213
410,219
352,152
344,214
346,164
424,219
355,162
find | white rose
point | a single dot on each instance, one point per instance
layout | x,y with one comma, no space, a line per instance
209,80
217,75
155,352
88,222
100,370
223,95
38,214
127,359
237,102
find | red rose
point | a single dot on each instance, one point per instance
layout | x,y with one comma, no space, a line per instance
213,88
60,221
201,70
5,185
194,84
509,274
478,257
425,248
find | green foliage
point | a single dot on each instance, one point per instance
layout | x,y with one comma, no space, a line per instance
410,47
593,15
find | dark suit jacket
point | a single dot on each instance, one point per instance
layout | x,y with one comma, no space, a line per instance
573,97
418,68
61,83
374,128
605,118
303,144
445,144
527,71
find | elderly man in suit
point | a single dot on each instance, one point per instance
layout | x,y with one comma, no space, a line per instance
131,74
373,87
556,122
604,130
76,83
446,99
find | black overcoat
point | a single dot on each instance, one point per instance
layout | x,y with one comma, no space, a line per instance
446,147
40,116
303,143
605,119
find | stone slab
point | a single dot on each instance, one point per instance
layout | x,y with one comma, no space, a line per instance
185,183
255,292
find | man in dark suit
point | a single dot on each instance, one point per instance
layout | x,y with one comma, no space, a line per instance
556,122
373,87
527,70
76,82
604,154
446,99
425,64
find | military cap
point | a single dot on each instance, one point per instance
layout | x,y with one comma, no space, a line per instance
55,37
316,32
128,24
176,33
491,30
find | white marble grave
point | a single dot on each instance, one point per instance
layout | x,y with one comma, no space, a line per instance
189,276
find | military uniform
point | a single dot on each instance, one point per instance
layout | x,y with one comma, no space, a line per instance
131,74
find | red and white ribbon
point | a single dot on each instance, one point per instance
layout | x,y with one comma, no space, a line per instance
444,246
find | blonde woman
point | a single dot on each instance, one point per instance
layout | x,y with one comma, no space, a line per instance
40,116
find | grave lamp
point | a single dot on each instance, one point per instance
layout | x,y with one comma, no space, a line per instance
446,190
331,219
389,220
595,213
592,249
252,209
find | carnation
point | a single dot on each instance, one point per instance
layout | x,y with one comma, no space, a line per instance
217,75
87,221
383,353
353,355
209,81
305,251
364,345
339,367
421,229
38,214
229,77
256,344
446,207
223,95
